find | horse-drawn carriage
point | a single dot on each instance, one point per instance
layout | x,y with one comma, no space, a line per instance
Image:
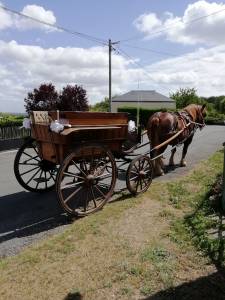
80,161
83,160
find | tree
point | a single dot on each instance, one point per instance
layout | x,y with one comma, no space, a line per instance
43,98
102,106
185,96
73,98
47,98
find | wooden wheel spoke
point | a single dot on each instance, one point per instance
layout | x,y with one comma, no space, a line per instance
93,195
85,165
137,185
86,200
29,171
51,176
132,171
38,182
133,178
25,164
101,177
141,183
73,194
136,168
69,174
35,150
104,185
68,186
100,191
79,168
46,181
145,182
33,176
31,157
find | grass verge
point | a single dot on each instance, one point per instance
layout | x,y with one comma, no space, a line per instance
133,248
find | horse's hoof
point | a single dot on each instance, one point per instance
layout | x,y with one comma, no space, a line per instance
183,163
159,173
171,164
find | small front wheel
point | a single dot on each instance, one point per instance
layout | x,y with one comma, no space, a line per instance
86,180
32,172
139,175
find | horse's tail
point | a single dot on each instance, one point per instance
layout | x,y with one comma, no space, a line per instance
152,131
152,126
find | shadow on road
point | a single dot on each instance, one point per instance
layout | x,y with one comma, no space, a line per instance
24,214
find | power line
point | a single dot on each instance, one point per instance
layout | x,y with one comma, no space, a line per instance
150,50
170,54
169,27
70,31
123,53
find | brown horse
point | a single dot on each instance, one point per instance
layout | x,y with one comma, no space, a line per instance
162,126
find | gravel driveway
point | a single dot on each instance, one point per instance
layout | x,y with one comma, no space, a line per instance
27,217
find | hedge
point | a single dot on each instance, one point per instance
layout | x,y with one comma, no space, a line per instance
144,113
11,123
7,120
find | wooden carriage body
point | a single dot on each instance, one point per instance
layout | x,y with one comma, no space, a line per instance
108,129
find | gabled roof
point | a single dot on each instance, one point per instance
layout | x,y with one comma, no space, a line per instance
142,96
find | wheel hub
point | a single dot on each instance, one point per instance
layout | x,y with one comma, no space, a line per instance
142,174
46,165
90,179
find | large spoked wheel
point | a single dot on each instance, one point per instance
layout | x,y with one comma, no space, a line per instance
86,180
32,172
139,175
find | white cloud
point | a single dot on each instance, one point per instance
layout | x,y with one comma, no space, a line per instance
23,68
208,30
9,20
5,19
147,23
36,12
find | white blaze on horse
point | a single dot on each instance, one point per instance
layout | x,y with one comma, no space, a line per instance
166,128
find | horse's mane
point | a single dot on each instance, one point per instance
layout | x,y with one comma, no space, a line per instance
193,110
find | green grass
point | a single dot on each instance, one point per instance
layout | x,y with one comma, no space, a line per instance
100,255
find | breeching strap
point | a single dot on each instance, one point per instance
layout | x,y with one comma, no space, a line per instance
171,138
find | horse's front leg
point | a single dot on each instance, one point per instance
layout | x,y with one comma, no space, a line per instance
184,152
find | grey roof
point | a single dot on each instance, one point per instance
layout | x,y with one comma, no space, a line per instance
142,96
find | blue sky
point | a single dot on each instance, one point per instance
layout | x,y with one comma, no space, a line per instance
31,54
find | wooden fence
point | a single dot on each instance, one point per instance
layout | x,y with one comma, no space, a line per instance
13,132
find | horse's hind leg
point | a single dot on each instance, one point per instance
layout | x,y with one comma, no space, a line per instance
184,152
158,163
171,161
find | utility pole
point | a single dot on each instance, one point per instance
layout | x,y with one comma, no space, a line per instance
110,76
110,71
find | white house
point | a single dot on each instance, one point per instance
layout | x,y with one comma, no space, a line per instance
143,99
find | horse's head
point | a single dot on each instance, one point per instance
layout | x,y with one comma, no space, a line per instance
197,113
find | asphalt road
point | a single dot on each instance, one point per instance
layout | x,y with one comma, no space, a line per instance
26,217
